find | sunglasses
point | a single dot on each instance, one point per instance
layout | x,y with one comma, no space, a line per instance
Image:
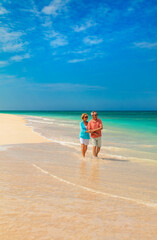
95,114
86,117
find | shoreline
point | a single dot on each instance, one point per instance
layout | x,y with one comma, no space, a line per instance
13,130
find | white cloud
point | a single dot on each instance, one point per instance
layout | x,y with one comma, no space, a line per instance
3,10
77,60
9,35
59,41
19,58
3,63
81,51
11,40
137,2
148,45
130,9
152,60
56,39
34,11
13,47
92,40
7,79
133,5
51,34
84,26
55,7
47,23
69,87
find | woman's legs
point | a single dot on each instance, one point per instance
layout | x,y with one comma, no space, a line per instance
83,149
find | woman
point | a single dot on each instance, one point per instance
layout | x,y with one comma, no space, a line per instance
84,134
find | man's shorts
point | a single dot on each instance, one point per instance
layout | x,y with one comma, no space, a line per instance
96,142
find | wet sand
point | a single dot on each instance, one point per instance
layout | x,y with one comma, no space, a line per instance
48,192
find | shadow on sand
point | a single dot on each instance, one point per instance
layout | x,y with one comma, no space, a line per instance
114,159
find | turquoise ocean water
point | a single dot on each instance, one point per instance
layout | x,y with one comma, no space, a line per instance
143,122
136,130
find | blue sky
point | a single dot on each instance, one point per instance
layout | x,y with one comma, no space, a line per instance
68,54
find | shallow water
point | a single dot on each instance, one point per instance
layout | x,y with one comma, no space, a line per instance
120,142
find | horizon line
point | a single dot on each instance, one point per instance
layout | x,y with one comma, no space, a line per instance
140,110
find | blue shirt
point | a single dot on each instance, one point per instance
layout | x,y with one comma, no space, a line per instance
83,133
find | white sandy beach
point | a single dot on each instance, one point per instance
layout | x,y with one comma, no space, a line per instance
48,192
14,131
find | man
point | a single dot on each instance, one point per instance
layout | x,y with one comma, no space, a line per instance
95,126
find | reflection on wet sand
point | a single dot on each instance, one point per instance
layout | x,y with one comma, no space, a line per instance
90,170
83,168
94,176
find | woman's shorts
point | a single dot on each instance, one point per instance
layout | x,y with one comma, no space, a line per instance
84,141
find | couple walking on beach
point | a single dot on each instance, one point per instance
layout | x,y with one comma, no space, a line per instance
93,127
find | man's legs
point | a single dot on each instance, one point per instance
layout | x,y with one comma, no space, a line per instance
96,146
97,151
95,142
94,151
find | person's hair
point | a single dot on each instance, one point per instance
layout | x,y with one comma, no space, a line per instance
83,114
92,113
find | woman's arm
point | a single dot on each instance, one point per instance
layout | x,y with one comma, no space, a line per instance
84,130
90,131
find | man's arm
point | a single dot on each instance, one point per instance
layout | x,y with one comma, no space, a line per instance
100,128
